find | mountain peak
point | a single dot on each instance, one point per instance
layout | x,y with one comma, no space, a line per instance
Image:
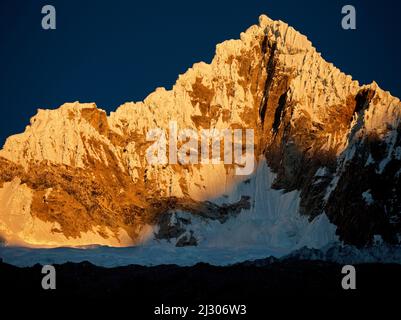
83,176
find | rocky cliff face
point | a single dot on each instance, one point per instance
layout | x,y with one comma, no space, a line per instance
78,176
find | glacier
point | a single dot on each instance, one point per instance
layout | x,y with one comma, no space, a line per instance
271,227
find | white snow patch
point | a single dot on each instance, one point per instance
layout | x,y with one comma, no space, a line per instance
369,161
332,186
397,153
273,221
321,172
367,196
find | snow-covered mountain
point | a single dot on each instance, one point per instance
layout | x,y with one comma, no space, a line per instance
327,159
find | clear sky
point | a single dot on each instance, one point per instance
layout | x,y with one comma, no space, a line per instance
110,52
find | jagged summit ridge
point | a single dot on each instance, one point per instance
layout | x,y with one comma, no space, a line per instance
312,124
294,50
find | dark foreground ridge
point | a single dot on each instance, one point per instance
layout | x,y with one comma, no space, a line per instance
289,287
202,283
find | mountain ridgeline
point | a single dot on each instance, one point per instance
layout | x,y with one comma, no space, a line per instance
325,148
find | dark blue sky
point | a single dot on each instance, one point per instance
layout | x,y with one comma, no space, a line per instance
110,52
